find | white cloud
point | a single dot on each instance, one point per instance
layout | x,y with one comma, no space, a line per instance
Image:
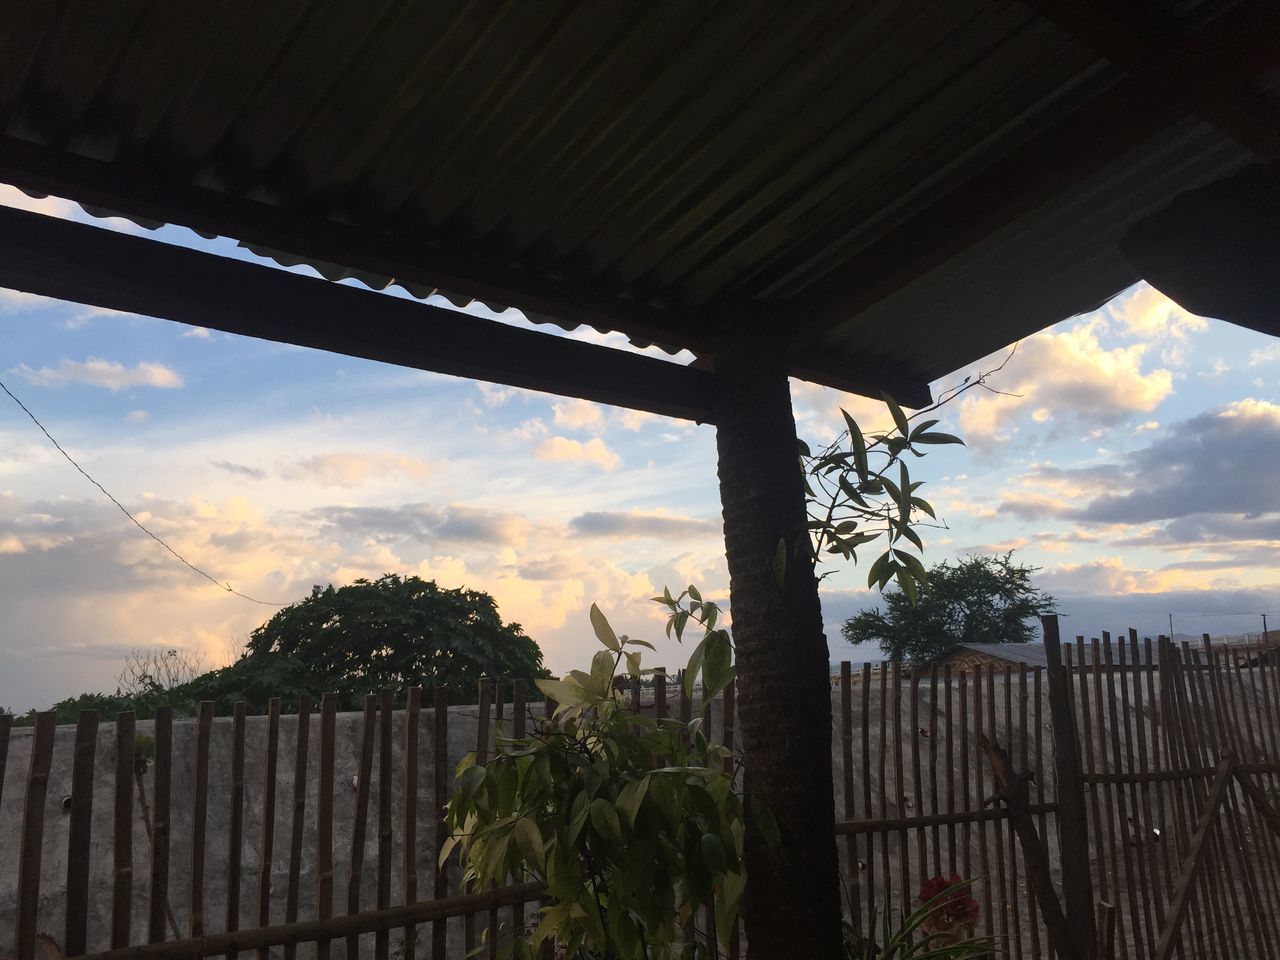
1267,354
563,449
102,373
356,469
579,415
137,416
1070,376
199,333
1148,314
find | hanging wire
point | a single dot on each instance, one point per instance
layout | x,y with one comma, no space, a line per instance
183,560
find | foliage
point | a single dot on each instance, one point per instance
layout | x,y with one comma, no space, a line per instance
391,632
859,490
633,824
977,599
941,928
147,670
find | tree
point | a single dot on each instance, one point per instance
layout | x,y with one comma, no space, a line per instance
391,632
977,599
155,669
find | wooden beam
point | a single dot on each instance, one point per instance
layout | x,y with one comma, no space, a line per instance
1237,109
85,264
151,196
1224,53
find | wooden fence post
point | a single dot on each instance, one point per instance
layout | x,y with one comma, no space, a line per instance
1073,829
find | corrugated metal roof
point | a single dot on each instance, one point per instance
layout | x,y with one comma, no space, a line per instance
690,157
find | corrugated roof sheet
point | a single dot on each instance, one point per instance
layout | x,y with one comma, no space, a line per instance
687,156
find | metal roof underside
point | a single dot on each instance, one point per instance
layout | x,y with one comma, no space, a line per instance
684,160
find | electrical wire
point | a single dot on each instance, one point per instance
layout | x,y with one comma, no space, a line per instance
105,492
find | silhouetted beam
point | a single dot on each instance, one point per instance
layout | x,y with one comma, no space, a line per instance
1250,118
149,196
92,265
1229,50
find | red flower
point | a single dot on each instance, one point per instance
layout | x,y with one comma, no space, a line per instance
952,907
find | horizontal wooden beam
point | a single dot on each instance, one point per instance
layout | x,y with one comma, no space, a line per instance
92,265
306,931
1229,50
150,196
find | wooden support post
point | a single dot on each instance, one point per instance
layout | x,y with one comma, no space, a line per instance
784,690
1073,829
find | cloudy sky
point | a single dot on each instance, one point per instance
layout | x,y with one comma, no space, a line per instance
1132,455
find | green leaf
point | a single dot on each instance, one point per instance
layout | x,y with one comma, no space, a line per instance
899,418
604,632
601,673
936,438
631,797
694,594
470,782
563,692
713,854
859,446
529,841
604,818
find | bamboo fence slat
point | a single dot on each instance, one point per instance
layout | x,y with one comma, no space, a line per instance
28,905
386,720
235,833
79,833
270,761
409,840
360,819
299,812
199,818
324,819
160,908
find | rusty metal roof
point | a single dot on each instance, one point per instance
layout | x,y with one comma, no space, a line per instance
641,167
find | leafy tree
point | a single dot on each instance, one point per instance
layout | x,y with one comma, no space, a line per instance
391,632
975,600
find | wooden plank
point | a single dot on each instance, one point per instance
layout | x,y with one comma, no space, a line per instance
6,724
199,818
80,833
498,700
412,717
950,767
1073,830
27,911
161,831
360,817
1139,795
122,833
1135,880
934,713
1115,881
235,835
976,803
900,791
1024,764
92,265
917,779
484,695
727,721
1003,898
519,730
660,694
386,719
886,825
1153,795
298,819
439,798
852,879
270,762
291,934
886,878
1192,861
324,818
966,845
869,862
1015,922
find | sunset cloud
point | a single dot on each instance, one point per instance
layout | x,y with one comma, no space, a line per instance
565,450
102,373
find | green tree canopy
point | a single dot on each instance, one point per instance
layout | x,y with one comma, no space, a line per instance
976,599
392,632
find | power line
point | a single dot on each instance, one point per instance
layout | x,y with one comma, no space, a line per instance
219,584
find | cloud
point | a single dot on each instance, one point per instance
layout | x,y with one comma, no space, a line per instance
1267,354
240,470
579,415
102,373
356,469
1148,314
1067,376
137,416
198,333
427,523
562,449
659,526
49,206
1223,461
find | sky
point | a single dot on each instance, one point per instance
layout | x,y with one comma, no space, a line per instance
1132,454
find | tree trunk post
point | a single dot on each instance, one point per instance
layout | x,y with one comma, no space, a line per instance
1073,828
791,906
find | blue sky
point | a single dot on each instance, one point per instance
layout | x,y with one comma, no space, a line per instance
1132,455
